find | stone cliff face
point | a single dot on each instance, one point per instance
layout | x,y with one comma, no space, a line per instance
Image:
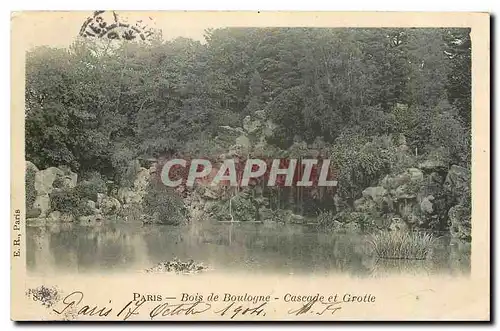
45,182
430,196
83,206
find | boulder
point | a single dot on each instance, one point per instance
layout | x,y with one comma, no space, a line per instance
432,166
42,202
457,180
392,182
72,178
55,216
376,193
365,205
404,193
91,205
460,220
408,176
128,196
426,204
45,178
416,175
141,181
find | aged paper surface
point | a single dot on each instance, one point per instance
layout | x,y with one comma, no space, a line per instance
102,102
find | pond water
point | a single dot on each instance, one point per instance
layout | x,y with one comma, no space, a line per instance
246,248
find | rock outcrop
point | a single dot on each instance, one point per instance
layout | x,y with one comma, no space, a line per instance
433,166
460,222
45,182
430,196
457,180
93,204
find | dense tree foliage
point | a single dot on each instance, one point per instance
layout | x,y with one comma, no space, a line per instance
94,107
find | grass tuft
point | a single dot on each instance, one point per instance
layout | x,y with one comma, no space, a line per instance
402,245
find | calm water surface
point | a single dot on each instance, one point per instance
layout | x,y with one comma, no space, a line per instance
248,248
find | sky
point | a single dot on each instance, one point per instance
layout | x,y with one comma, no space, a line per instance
59,29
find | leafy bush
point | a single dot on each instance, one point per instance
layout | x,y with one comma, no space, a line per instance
70,201
165,203
75,201
402,245
65,201
220,211
361,161
88,189
448,132
125,166
241,207
30,187
414,123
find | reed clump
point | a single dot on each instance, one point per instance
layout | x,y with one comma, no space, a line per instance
402,245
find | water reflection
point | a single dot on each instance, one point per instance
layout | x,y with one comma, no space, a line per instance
227,248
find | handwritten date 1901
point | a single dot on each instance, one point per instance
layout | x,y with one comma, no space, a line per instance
234,310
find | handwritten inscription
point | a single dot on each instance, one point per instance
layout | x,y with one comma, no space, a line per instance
155,306
74,299
320,308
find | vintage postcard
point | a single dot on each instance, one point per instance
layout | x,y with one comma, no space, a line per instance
264,166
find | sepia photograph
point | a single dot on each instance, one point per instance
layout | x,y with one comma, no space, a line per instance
290,151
